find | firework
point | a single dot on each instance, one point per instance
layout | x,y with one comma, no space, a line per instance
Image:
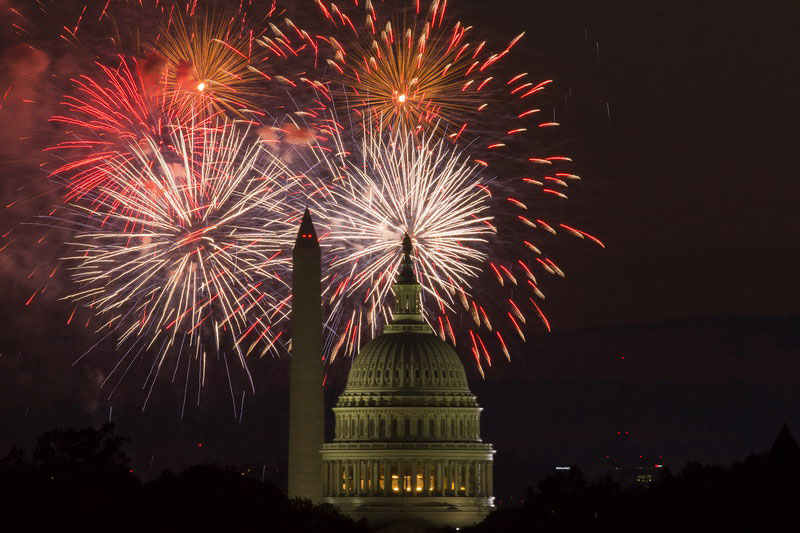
223,59
398,184
415,75
183,221
418,72
207,60
191,265
127,107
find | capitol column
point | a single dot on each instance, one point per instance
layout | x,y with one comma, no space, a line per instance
331,478
337,476
357,476
476,474
373,488
485,473
426,475
326,468
387,478
416,469
466,478
489,479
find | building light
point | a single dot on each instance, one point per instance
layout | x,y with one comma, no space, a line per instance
563,468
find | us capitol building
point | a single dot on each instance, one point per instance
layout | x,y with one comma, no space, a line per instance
407,449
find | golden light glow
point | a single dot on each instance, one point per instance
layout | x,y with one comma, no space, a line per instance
415,74
210,56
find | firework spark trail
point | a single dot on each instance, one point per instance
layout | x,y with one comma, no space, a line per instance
418,72
146,198
123,175
194,263
127,107
223,57
417,75
210,58
397,184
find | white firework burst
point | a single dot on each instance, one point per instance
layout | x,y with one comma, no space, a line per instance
183,253
398,183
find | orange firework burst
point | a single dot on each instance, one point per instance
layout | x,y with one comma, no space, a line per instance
210,59
415,75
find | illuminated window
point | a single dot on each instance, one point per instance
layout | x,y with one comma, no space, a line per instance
395,483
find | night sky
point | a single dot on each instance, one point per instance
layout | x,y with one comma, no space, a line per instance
682,119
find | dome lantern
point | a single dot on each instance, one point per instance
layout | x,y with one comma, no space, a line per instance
407,316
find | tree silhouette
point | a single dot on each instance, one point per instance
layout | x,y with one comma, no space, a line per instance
79,480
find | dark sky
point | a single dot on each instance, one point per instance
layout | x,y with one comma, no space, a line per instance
692,183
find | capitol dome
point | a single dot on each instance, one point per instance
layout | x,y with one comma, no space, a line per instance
407,446
407,361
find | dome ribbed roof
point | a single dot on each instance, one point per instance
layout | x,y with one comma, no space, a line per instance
406,362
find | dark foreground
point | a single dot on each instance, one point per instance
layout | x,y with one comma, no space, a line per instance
80,480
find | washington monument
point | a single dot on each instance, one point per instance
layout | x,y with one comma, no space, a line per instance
306,422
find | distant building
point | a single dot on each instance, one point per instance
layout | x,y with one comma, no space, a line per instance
266,473
637,470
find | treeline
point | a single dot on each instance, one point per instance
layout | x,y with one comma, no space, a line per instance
759,494
80,480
